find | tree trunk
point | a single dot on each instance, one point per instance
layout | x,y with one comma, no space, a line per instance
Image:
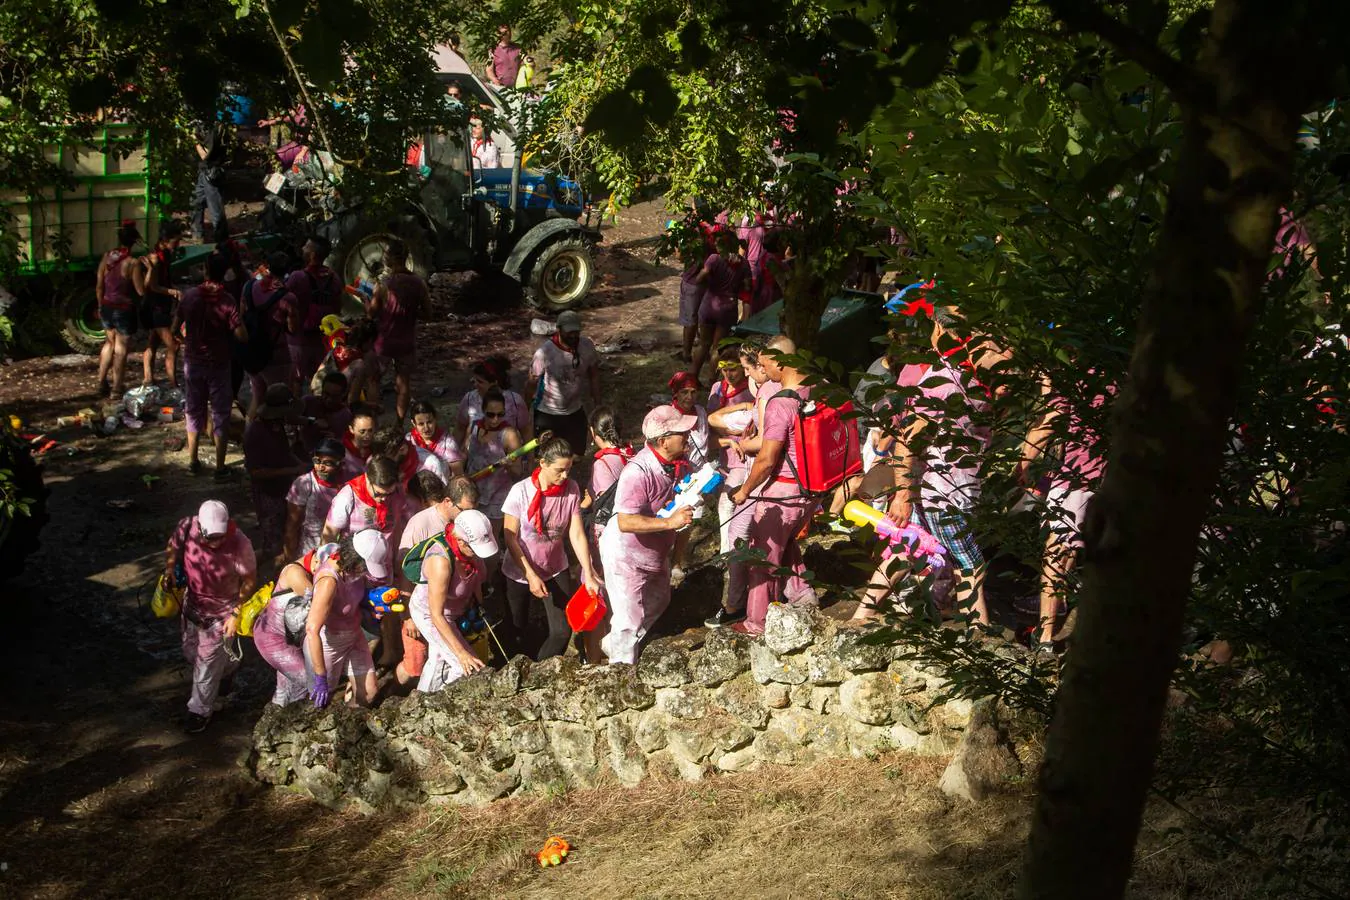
1170,424
804,300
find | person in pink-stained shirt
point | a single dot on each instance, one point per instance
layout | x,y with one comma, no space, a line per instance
221,574
561,372
309,498
375,500
726,276
504,65
318,292
611,455
358,441
540,515
280,318
783,506
636,546
400,299
210,318
493,372
454,573
427,434
334,643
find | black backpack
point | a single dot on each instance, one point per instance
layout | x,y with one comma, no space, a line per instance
602,507
256,353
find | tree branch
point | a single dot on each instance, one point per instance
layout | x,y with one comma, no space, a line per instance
1086,17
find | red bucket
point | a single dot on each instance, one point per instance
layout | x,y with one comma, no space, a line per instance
586,609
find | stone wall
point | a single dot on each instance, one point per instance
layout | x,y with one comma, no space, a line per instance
694,705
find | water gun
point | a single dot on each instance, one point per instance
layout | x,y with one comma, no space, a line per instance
554,852
475,630
384,600
898,304
907,539
691,491
362,289
508,458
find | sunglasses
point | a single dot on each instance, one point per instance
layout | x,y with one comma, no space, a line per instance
492,415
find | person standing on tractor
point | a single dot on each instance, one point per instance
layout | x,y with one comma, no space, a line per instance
155,285
209,317
561,371
504,65
221,573
115,287
211,154
318,293
401,297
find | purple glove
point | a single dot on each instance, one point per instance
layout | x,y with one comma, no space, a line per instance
319,691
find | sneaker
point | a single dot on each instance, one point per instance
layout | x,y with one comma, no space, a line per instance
195,724
195,467
747,629
722,618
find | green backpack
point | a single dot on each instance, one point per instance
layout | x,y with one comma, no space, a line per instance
412,560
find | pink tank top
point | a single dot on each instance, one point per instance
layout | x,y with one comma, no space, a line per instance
117,288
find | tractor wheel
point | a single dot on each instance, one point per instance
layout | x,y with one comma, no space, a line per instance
561,275
359,254
81,326
20,479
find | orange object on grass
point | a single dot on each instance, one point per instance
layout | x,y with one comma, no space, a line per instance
586,609
554,852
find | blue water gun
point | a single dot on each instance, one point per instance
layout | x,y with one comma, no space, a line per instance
691,490
384,600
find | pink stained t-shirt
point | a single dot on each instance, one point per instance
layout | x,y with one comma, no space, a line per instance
214,574
421,526
605,471
209,319
644,488
446,448
547,553
471,410
563,375
314,499
349,515
396,324
780,424
344,615
459,593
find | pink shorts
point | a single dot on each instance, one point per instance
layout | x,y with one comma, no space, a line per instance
691,298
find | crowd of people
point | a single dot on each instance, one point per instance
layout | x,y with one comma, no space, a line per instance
517,502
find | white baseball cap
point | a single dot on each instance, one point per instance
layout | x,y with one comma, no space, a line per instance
666,420
374,549
213,518
476,529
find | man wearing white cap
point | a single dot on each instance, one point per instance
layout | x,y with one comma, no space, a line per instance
334,642
221,573
452,581
561,371
636,545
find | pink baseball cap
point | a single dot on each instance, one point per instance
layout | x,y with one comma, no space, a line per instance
666,420
374,549
476,530
213,518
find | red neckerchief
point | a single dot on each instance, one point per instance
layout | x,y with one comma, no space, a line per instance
730,390
687,412
428,445
407,467
361,488
676,468
624,453
319,481
537,501
557,342
353,449
464,559
484,426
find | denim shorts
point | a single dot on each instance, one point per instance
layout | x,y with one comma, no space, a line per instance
121,320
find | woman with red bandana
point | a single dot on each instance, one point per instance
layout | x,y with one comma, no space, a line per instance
611,454
426,434
357,442
309,498
489,440
375,500
454,573
334,643
540,513
683,391
493,372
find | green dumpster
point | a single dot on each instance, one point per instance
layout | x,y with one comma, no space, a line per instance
850,321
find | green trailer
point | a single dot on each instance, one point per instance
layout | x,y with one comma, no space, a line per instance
62,232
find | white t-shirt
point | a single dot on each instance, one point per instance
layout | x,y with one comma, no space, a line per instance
563,375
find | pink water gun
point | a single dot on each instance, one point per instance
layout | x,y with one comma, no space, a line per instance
908,539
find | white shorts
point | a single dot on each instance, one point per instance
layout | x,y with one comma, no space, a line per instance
1067,508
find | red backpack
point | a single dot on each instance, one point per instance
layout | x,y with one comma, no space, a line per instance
827,444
